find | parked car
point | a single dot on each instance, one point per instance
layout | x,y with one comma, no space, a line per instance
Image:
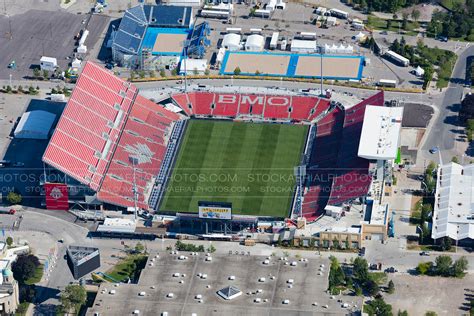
362,252
424,253
391,270
434,150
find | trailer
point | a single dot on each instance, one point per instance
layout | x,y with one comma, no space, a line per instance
48,63
387,83
397,58
339,13
274,40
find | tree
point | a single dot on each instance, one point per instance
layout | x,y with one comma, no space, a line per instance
20,89
467,108
336,274
415,14
424,268
9,241
24,267
45,74
371,287
443,265
446,244
425,212
391,287
237,71
211,248
389,24
151,74
139,248
360,270
378,307
73,297
36,72
14,198
207,72
455,159
174,71
31,90
431,313
402,313
162,73
460,266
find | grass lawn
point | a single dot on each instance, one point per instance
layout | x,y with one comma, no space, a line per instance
450,3
415,246
378,277
37,276
377,23
128,268
249,165
22,309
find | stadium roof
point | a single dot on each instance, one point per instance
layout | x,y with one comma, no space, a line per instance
107,130
380,132
135,21
35,125
454,202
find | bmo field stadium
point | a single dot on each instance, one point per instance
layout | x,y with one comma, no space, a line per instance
239,149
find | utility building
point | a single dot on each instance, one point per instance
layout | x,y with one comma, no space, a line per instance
82,260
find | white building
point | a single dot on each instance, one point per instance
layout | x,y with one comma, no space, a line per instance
380,136
35,125
231,42
193,66
453,214
301,46
397,58
331,21
255,43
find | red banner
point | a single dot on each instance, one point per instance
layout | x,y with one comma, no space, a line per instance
56,196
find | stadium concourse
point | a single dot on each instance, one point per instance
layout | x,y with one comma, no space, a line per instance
111,139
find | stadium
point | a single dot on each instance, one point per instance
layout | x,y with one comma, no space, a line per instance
213,153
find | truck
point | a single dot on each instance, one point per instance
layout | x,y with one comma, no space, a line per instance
7,211
48,63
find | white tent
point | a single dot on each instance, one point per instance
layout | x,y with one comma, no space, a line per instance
255,43
360,37
193,66
302,46
35,125
419,71
349,49
231,42
334,48
341,49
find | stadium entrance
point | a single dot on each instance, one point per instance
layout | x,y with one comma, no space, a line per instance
192,224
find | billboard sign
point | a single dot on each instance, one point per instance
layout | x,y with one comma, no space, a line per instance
57,197
215,210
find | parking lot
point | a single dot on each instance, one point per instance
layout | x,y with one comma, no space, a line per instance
28,36
194,282
419,294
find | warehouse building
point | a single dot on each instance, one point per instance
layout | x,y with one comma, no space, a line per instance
453,214
35,125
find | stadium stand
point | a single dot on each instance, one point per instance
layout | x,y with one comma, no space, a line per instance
198,40
109,138
322,160
265,107
352,179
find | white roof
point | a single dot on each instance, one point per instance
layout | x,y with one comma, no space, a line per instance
302,44
255,40
360,35
419,71
173,108
332,19
48,59
231,39
453,213
118,225
397,56
381,132
35,125
191,65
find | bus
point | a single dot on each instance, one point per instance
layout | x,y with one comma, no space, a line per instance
387,83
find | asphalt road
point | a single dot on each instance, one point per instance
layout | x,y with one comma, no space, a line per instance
446,127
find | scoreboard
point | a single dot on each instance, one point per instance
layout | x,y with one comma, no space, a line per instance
215,210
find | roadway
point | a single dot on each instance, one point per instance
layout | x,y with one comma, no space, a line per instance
446,129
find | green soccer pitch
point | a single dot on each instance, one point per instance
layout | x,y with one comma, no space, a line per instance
247,164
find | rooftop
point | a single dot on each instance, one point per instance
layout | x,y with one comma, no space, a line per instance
454,204
187,283
381,132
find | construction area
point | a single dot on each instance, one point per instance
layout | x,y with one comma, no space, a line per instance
235,284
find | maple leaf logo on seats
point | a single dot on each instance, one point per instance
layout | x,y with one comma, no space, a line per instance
141,153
